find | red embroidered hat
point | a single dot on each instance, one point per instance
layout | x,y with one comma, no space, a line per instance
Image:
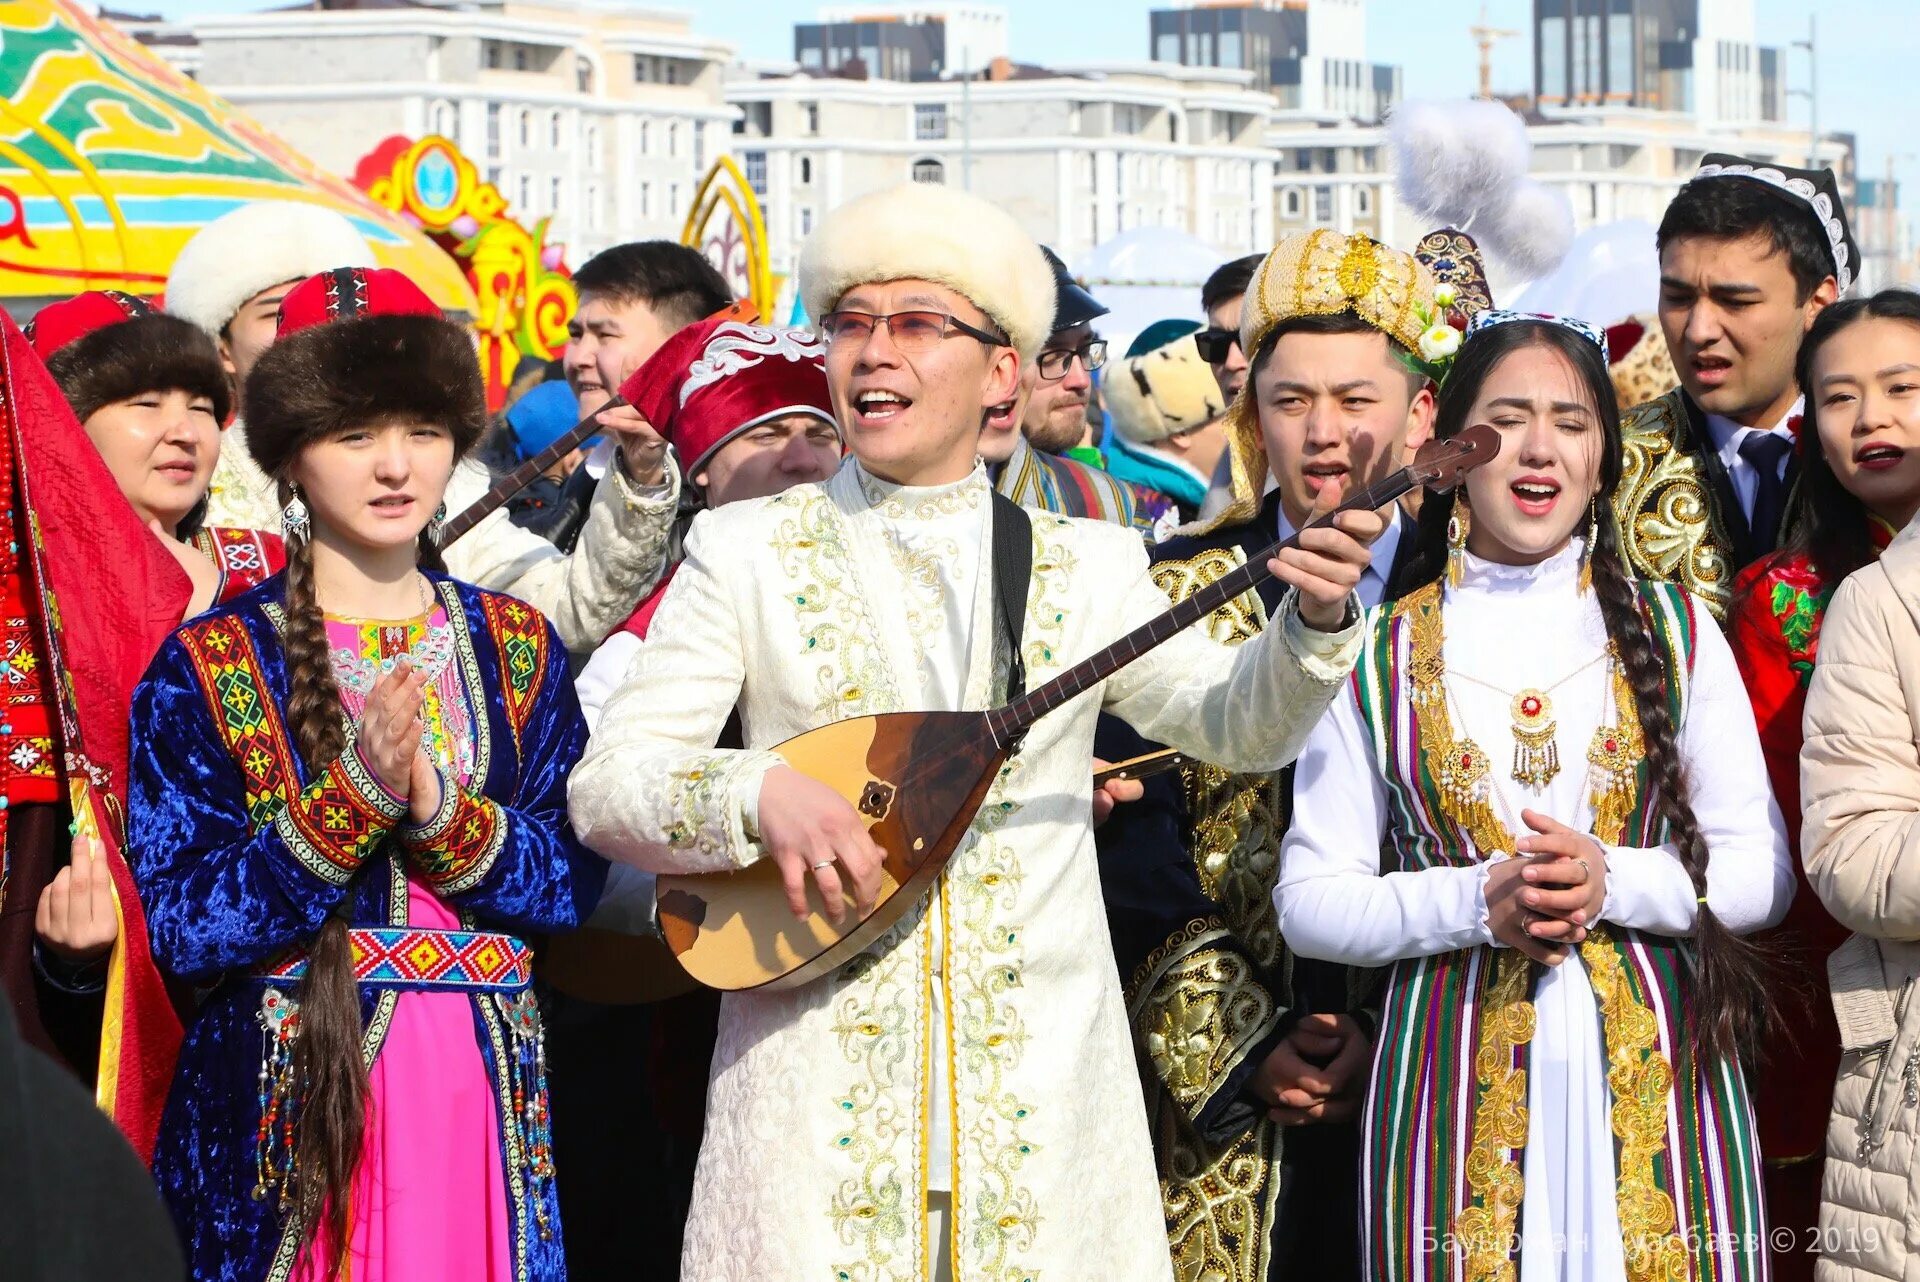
715,379
57,324
347,292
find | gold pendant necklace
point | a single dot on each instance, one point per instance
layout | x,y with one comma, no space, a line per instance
1536,750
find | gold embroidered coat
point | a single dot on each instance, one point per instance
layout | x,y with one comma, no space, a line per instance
1189,874
1674,501
815,1162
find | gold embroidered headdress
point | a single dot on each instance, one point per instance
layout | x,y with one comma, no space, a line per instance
1318,273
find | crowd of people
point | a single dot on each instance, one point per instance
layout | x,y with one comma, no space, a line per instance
1532,895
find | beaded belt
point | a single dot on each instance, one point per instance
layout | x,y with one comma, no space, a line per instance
413,960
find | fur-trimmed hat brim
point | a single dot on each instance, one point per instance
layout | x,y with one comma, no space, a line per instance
146,354
353,373
932,232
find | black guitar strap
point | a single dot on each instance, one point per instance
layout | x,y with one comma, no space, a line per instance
1012,571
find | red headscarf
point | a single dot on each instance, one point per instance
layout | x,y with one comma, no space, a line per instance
107,594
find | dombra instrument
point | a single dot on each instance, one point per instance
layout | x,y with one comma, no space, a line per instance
621,968
917,778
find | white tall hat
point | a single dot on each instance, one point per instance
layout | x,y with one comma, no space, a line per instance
254,247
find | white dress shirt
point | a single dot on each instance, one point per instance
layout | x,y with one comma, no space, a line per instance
1728,436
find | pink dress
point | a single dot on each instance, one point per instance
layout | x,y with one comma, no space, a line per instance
430,1199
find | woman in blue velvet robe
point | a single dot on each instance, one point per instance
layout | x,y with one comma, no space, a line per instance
258,869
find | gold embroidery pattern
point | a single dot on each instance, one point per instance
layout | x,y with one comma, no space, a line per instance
1199,1016
1238,819
876,1207
996,1216
1239,619
697,791
1237,826
1219,1203
926,600
923,504
851,679
1053,568
1487,1228
1667,519
1641,1079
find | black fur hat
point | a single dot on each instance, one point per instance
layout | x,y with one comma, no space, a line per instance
151,353
362,370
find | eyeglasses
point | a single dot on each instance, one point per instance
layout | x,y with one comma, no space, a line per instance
1055,361
910,331
1216,344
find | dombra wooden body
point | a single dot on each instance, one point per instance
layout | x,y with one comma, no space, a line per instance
917,778
914,778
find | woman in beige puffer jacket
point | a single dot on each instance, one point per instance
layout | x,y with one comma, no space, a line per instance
1860,782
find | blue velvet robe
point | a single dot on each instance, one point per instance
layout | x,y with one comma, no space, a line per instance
229,884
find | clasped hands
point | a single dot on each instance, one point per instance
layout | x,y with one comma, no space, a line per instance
391,740
1317,1073
1545,899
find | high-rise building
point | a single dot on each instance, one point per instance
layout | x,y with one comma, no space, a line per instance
1693,56
907,42
1310,54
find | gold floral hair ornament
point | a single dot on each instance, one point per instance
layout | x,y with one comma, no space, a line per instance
1322,273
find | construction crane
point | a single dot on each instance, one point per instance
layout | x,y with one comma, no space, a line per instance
1486,37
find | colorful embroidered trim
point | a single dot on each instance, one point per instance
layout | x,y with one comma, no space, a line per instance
413,960
229,673
334,824
520,634
460,853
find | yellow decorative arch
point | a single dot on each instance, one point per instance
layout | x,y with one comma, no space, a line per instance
734,239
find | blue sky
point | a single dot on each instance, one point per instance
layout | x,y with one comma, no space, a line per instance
1870,50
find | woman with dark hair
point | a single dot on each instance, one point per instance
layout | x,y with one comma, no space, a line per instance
1859,367
1558,1064
1859,484
154,399
348,810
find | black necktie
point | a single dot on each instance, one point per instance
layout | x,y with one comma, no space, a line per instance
1764,452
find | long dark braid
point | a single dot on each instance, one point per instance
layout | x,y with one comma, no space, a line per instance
1729,1000
1732,999
327,1060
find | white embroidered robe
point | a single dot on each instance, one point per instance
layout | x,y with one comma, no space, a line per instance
820,1127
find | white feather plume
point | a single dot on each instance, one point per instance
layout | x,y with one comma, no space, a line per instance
1455,159
1530,231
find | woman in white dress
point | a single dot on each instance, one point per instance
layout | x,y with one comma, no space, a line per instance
1556,1092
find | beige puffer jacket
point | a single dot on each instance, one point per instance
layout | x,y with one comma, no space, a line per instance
1860,783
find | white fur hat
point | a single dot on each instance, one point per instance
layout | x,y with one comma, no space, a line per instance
248,249
929,231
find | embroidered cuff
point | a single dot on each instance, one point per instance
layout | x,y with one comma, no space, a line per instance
457,848
425,834
712,807
646,500
336,822
1326,657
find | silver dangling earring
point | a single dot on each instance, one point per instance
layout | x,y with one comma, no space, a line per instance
295,523
434,526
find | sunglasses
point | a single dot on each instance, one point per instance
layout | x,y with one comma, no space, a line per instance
1216,344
